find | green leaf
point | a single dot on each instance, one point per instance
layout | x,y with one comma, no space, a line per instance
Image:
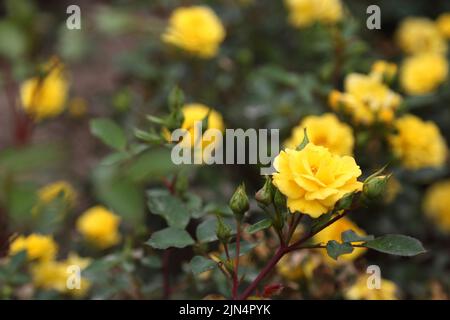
335,249
170,237
396,244
162,203
350,236
260,225
201,264
109,132
150,165
245,248
114,158
206,231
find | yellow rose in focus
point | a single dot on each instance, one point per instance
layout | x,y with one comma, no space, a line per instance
420,35
99,226
325,130
314,179
304,13
423,73
195,29
333,232
366,99
38,247
55,275
436,204
44,96
360,290
417,143
57,189
443,24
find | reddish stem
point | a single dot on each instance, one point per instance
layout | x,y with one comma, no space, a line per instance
236,263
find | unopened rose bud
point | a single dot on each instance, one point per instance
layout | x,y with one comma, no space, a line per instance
374,187
239,203
265,194
223,231
279,201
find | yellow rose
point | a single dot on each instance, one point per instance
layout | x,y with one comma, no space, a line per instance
304,13
314,179
423,73
360,290
44,97
38,247
99,226
417,143
443,24
333,232
57,189
420,35
366,99
55,275
195,29
325,130
436,204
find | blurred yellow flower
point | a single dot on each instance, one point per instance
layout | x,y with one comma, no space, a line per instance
57,189
420,35
314,179
325,130
366,99
436,204
333,232
45,96
196,29
38,247
384,71
360,290
99,226
417,143
304,13
423,73
77,107
55,275
297,265
443,24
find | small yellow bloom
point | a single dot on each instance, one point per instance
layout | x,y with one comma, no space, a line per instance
420,35
38,247
314,179
436,204
44,97
417,143
443,24
304,13
99,226
325,130
59,275
423,73
57,189
333,232
384,71
195,29
366,99
77,107
297,265
362,290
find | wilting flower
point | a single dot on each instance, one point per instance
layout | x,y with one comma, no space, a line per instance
436,204
423,73
303,13
333,232
325,130
443,24
366,99
44,96
417,143
195,29
57,189
55,275
420,35
314,179
99,226
362,290
38,247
